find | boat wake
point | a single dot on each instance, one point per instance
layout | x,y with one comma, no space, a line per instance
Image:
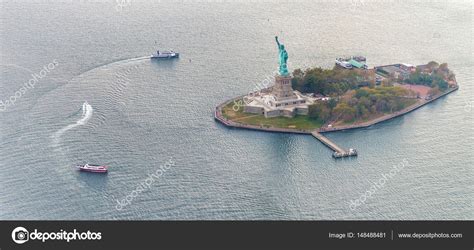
87,111
118,61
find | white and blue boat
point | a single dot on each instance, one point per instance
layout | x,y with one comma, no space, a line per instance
164,54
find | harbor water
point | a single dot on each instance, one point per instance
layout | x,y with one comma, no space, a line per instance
88,93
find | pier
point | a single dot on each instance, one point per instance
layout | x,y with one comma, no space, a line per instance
338,151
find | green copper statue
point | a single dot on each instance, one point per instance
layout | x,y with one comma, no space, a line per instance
283,57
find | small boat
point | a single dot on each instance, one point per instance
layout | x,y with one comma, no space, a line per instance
345,64
93,168
164,54
352,152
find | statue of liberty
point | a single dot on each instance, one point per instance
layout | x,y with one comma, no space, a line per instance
283,57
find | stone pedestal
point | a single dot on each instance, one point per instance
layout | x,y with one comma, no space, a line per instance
282,89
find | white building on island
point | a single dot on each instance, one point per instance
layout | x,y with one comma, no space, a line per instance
280,100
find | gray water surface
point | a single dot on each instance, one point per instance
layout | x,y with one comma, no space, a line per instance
143,113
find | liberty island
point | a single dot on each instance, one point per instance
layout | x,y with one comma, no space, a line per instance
360,98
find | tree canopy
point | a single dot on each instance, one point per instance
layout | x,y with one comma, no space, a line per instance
362,103
330,82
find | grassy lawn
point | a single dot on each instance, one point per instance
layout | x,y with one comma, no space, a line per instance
229,112
298,122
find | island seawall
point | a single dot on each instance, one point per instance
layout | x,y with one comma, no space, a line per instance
316,132
219,117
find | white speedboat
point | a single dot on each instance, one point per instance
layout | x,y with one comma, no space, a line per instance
344,64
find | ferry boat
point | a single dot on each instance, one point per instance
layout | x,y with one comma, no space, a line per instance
165,54
93,168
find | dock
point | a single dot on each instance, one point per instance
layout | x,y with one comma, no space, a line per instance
338,151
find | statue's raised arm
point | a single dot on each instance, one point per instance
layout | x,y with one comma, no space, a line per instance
282,58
